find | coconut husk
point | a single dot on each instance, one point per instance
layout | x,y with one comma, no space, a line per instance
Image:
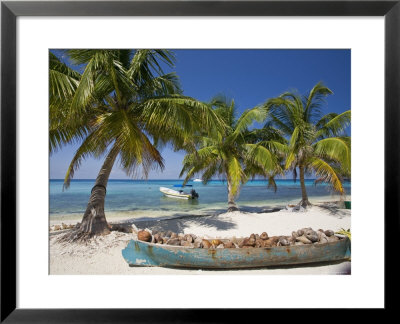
174,241
303,239
249,241
144,236
264,236
283,241
216,242
260,243
329,233
302,231
272,241
311,235
292,240
205,244
197,245
158,238
275,239
187,244
322,238
198,240
257,237
229,245
333,238
188,238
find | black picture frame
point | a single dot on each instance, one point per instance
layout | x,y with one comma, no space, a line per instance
10,10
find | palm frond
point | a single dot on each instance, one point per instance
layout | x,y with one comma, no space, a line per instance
93,145
178,117
145,64
249,116
150,159
333,125
327,173
314,100
335,148
261,156
291,158
63,81
277,148
235,174
294,138
163,85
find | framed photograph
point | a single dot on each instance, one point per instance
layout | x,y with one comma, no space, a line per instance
81,81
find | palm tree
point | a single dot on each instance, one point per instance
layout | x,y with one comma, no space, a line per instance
121,107
317,143
231,152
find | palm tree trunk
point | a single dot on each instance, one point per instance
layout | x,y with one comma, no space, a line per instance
304,198
231,199
94,220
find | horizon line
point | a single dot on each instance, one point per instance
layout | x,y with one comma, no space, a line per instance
175,179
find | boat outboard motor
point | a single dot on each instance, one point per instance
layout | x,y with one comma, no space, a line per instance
194,193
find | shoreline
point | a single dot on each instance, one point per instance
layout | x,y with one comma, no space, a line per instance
148,215
102,255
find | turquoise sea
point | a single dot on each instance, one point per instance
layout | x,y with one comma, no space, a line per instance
142,199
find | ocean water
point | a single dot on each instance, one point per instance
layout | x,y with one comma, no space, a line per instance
142,199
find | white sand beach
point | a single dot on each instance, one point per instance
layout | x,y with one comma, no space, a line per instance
102,255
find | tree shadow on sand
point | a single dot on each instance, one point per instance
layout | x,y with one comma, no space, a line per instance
179,221
334,210
261,210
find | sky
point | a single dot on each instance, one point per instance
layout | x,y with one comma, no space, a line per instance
250,77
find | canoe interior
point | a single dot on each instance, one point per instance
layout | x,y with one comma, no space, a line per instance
138,253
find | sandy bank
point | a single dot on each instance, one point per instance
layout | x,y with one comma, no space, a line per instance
102,255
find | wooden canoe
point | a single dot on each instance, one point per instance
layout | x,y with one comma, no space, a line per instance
138,253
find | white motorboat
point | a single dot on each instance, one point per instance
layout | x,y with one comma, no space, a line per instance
179,194
197,180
